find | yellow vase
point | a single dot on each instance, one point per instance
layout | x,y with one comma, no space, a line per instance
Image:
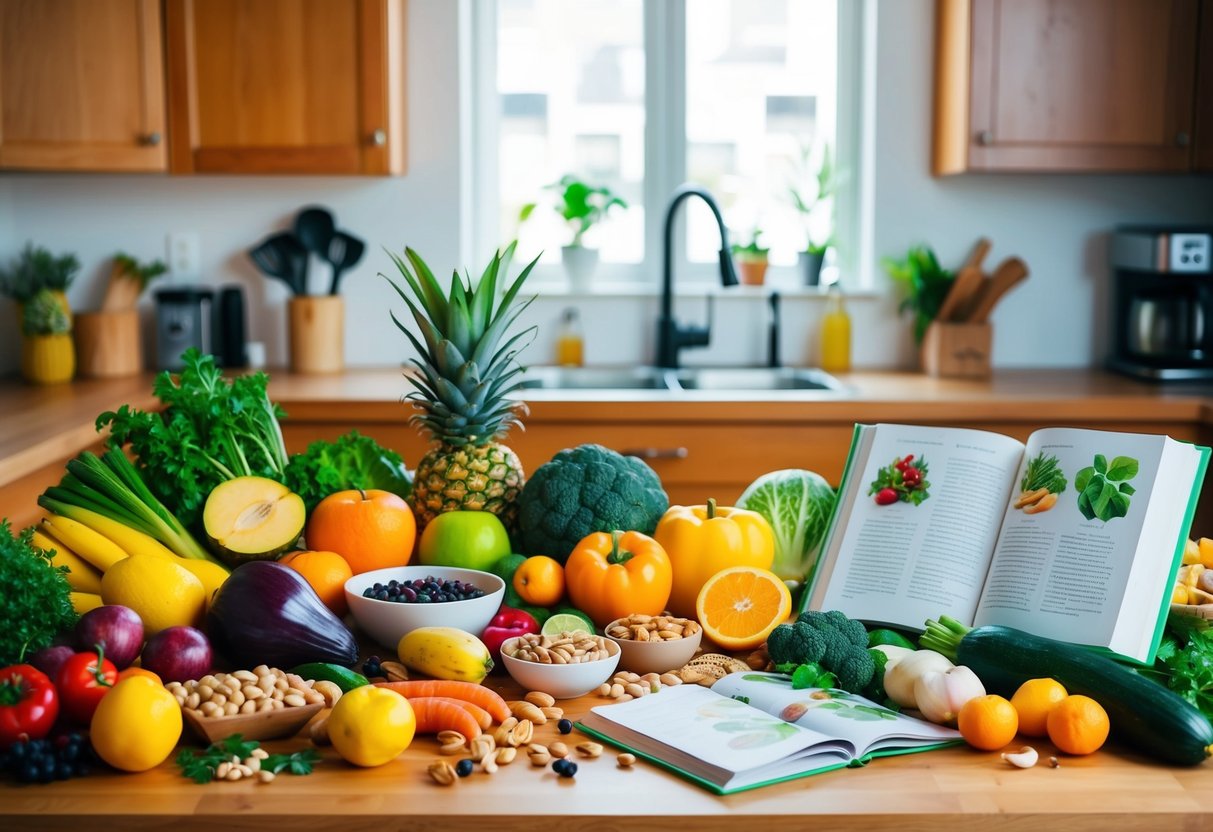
48,359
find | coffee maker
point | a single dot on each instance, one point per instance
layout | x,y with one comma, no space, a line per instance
1162,303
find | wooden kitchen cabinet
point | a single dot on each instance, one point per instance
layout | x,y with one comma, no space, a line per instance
82,85
1202,150
286,86
1065,85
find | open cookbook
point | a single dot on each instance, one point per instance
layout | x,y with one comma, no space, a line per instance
752,729
1077,535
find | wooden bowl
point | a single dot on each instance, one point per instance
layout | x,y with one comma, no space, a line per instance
1199,610
264,725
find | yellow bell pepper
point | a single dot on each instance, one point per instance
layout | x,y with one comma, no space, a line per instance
370,726
612,575
702,540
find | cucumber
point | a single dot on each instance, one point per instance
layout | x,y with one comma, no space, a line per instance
890,637
1142,712
342,677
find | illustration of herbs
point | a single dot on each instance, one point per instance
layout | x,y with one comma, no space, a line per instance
1103,488
1043,472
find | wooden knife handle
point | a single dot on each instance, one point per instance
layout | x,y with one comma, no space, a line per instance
1010,272
968,281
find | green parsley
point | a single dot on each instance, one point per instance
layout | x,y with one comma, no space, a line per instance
37,605
200,766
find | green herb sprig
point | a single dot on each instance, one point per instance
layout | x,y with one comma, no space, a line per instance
200,766
1043,472
37,603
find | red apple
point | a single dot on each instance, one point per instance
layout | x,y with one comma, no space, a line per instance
507,624
176,654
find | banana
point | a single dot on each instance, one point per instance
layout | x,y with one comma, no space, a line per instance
131,541
93,546
82,602
445,653
81,575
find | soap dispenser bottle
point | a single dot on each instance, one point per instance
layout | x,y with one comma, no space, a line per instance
835,334
570,345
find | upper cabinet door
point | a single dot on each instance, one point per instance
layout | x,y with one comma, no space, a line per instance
286,86
81,85
1202,151
1067,85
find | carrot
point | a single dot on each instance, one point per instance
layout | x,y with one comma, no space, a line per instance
436,713
482,717
467,691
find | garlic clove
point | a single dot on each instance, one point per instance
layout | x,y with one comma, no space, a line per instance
1025,757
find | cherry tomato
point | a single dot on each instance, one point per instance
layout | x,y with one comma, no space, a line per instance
911,476
83,681
28,704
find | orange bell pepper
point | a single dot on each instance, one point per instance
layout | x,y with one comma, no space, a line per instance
702,540
612,575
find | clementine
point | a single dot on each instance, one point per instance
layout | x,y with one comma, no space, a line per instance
1078,725
540,581
371,529
988,722
327,573
1033,701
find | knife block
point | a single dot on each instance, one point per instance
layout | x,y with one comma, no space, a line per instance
957,350
317,327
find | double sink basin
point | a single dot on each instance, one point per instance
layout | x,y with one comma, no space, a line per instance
800,382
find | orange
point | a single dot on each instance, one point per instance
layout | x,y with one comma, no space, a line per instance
327,573
988,722
540,581
1033,701
371,529
1078,725
740,606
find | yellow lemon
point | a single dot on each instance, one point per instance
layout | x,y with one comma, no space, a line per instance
212,575
136,725
163,593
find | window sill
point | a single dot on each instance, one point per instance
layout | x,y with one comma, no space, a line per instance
607,289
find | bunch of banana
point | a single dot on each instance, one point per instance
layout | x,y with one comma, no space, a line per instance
92,543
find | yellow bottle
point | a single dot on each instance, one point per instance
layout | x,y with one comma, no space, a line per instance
570,346
836,335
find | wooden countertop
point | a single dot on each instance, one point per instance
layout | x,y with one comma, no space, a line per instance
952,789
53,423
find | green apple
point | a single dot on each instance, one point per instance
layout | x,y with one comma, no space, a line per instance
466,539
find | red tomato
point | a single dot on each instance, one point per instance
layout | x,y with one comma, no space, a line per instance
83,680
28,704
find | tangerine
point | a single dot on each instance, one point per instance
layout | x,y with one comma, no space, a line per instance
1078,725
327,573
540,581
740,606
371,529
988,722
1033,701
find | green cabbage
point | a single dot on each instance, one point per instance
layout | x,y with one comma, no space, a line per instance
798,505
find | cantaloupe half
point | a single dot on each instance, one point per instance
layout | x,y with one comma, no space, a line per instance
252,518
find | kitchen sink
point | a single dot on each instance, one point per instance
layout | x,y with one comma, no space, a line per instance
758,378
594,378
747,381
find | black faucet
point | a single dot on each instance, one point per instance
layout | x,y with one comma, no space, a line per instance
773,333
671,337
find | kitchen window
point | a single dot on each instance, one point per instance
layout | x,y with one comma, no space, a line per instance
741,96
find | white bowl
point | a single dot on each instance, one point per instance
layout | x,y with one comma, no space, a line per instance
562,681
388,621
655,656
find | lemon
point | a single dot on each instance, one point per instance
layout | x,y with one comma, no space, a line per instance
212,575
136,725
161,592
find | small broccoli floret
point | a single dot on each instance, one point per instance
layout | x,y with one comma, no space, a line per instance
837,648
795,644
813,619
855,632
855,671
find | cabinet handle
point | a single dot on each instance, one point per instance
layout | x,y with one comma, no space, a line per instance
379,138
656,453
151,139
985,137
1182,139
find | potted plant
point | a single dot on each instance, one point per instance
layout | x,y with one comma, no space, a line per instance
812,192
582,206
752,259
37,275
926,285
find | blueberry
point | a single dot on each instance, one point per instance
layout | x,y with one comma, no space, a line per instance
568,770
464,767
559,764
565,726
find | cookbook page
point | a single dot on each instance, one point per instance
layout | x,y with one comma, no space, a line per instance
914,546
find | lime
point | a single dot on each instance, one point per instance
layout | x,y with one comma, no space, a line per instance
567,621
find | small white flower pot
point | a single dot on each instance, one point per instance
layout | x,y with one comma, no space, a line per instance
579,263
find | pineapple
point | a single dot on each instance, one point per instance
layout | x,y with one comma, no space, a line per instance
468,367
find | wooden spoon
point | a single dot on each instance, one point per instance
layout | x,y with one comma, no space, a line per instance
1009,272
959,297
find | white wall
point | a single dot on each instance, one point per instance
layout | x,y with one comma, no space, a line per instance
1056,223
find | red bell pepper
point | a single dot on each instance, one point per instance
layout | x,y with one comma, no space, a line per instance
29,704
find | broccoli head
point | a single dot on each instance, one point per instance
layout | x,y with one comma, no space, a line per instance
844,647
795,644
855,632
583,490
855,671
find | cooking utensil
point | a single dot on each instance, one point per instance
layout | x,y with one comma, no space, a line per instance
284,257
315,228
1009,272
976,257
343,252
968,281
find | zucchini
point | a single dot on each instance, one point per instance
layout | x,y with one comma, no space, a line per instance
1142,712
342,677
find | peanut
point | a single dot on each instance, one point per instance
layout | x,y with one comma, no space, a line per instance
538,697
553,713
527,710
589,749
652,628
559,750
626,760
330,691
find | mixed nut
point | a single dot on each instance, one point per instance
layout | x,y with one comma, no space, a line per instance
250,691
564,648
638,627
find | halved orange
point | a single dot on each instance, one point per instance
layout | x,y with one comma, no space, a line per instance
738,607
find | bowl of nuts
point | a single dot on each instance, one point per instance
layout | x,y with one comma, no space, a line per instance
654,643
259,704
389,603
565,665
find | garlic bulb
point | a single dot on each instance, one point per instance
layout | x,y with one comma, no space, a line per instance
941,695
899,678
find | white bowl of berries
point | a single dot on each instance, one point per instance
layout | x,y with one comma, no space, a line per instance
388,603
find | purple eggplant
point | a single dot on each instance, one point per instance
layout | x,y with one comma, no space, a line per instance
266,613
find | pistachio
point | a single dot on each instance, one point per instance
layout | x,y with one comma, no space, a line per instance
443,773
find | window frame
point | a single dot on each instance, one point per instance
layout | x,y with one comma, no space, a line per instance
665,148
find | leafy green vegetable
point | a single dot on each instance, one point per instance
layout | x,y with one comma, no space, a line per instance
37,604
36,269
1103,488
200,766
211,430
141,273
1043,472
926,284
44,315
798,505
1188,659
352,461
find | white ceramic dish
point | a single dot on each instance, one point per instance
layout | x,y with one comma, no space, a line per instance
388,621
655,656
563,681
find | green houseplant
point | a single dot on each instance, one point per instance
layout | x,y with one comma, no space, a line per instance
37,281
751,257
925,283
815,181
582,206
